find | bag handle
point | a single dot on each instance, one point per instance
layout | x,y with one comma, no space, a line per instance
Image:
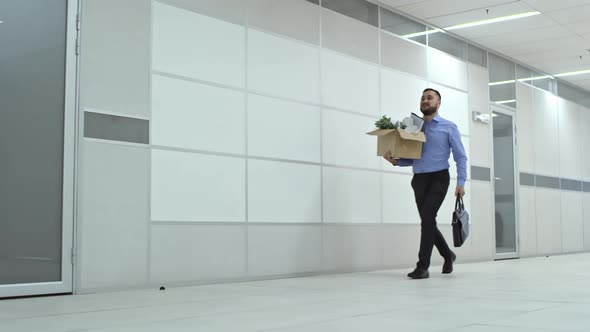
459,203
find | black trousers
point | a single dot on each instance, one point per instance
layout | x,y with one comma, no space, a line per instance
430,190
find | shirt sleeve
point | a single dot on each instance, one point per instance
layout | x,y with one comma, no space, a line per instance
405,162
458,155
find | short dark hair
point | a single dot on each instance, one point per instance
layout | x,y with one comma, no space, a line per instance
430,89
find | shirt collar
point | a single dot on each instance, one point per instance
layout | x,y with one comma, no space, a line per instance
437,118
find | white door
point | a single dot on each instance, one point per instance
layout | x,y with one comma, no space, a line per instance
37,145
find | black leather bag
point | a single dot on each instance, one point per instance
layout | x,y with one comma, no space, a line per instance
460,223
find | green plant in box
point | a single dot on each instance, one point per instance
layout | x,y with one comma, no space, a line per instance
385,123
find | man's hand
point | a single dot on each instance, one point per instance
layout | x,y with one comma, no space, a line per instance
460,190
387,156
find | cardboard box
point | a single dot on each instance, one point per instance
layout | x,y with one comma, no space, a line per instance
401,143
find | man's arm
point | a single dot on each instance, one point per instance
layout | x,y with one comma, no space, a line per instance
460,158
397,162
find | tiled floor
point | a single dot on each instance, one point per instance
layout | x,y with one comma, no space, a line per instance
526,295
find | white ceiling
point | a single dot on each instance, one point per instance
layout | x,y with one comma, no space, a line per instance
554,42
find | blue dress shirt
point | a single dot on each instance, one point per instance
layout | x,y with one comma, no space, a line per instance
442,137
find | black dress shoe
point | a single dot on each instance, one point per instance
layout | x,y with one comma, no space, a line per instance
419,274
448,265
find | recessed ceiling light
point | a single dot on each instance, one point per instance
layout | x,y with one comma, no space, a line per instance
572,73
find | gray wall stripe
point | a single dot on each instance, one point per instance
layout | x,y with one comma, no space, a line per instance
480,173
574,185
527,179
116,128
547,181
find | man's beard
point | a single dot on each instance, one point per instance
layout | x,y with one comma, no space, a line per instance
428,111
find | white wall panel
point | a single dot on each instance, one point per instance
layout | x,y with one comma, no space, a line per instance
189,44
189,253
283,67
350,84
400,94
527,221
525,129
293,18
283,192
482,222
479,90
586,213
546,134
113,216
349,35
399,204
283,129
480,145
570,132
345,142
115,57
448,70
351,196
195,187
585,142
403,55
572,221
227,10
197,116
284,249
454,107
479,101
548,213
351,247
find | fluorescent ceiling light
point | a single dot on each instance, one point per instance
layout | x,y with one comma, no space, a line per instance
522,80
423,33
472,24
572,73
505,101
535,78
493,20
501,82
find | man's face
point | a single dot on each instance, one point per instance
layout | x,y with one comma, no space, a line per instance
429,103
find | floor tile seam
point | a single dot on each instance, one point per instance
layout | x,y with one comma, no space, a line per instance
510,316
319,322
113,309
159,321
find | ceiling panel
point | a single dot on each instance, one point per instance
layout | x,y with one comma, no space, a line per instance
582,27
480,14
551,42
571,15
436,8
556,65
571,43
549,5
524,36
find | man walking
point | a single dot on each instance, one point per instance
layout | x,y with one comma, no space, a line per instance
431,180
